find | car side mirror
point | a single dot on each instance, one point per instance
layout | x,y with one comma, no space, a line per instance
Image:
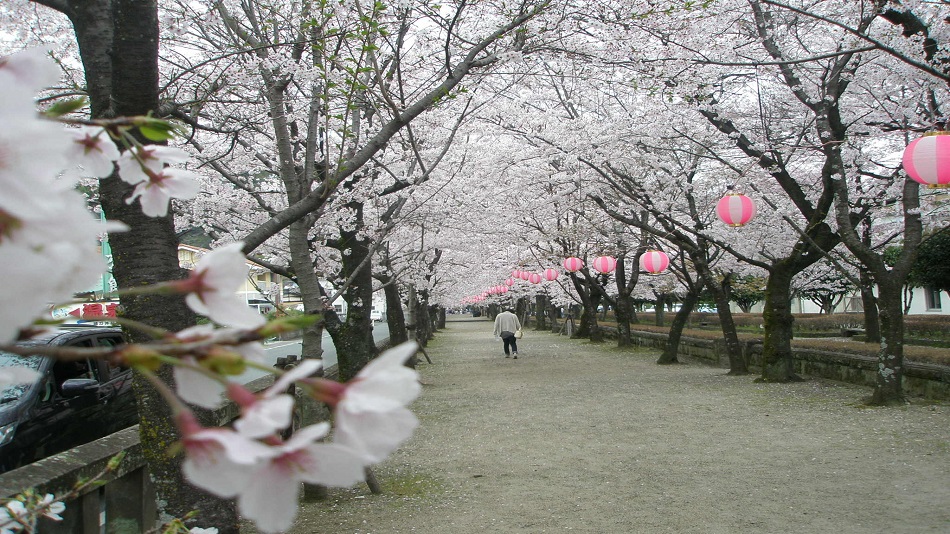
75,387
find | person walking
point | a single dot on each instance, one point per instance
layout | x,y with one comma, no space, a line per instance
506,324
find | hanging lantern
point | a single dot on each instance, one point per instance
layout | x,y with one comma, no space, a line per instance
524,275
502,289
573,264
605,264
927,160
735,209
654,261
510,282
550,274
534,278
516,273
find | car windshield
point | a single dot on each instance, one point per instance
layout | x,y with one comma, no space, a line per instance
11,393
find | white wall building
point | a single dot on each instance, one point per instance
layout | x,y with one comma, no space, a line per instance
917,301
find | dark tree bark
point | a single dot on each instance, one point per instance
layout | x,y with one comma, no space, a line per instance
777,364
353,338
623,304
589,328
872,321
118,43
720,291
540,305
395,317
671,349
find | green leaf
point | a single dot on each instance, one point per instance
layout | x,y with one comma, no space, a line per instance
65,107
155,134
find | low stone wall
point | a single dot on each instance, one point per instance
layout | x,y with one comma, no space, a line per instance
920,379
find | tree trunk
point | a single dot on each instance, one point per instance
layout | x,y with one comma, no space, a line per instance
395,317
624,312
423,319
353,339
777,365
872,321
623,305
588,327
309,283
540,304
737,364
670,351
553,313
440,322
659,309
118,44
890,360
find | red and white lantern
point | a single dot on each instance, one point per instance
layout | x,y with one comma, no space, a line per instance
735,209
534,278
927,160
654,261
516,273
510,282
524,275
573,264
550,274
605,264
502,289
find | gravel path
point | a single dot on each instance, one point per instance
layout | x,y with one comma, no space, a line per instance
576,437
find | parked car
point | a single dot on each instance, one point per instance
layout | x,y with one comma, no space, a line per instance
72,403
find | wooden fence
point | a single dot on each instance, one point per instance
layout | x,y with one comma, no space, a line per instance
125,504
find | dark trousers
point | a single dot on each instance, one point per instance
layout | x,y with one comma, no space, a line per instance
510,341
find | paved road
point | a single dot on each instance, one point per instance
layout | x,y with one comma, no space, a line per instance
278,349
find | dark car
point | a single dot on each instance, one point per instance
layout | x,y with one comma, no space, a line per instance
72,403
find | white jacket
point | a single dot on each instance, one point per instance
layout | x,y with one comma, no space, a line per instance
506,321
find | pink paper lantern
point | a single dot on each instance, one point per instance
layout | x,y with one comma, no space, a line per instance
524,275
550,274
534,278
573,264
605,264
735,209
510,282
927,160
654,261
516,273
502,289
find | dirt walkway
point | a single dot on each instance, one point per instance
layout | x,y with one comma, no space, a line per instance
574,437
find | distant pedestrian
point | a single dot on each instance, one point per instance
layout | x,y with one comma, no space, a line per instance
506,325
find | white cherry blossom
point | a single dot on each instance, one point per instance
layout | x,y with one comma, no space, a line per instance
53,507
93,150
273,410
163,185
271,501
12,516
213,284
217,459
134,164
371,414
198,388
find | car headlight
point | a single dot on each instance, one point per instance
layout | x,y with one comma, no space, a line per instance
6,433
